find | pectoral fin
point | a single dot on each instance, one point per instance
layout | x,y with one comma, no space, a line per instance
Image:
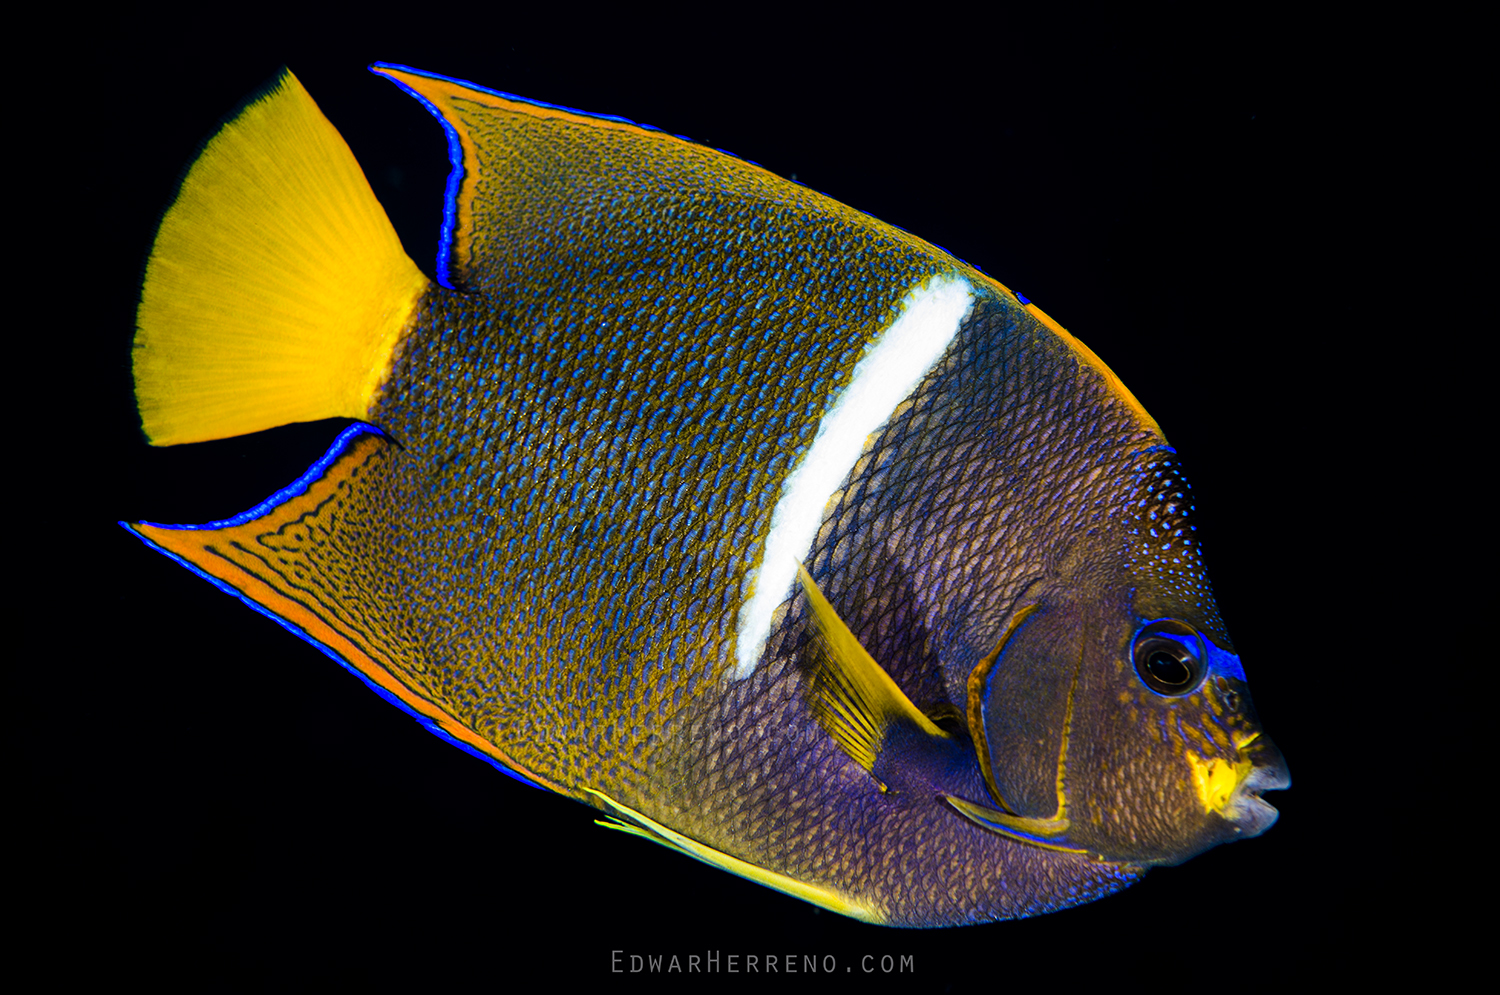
852,697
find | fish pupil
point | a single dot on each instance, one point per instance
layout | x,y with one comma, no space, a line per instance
1168,669
1167,654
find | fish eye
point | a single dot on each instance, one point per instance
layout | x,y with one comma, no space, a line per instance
1169,657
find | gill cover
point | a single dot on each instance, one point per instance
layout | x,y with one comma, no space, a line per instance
1020,714
1128,739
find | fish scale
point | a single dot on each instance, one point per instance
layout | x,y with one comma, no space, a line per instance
650,382
994,456
847,835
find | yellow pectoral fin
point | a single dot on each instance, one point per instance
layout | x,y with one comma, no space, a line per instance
852,697
628,820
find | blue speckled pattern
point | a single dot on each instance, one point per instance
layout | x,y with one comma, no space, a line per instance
546,552
584,520
1163,550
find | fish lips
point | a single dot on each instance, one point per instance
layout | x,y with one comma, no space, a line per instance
1244,814
1248,813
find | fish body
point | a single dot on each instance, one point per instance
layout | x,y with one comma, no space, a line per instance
774,533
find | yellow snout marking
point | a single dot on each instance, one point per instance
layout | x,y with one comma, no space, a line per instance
1216,779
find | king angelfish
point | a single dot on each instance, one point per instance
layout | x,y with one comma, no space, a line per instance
773,533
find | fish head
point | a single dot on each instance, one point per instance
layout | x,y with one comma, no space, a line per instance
1114,718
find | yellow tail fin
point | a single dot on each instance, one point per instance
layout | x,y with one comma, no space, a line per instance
277,289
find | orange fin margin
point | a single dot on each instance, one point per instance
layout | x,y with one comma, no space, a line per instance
271,557
466,112
484,152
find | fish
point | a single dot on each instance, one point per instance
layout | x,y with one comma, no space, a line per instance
772,533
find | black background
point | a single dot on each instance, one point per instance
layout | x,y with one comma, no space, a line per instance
217,804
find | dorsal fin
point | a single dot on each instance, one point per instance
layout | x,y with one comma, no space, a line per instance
852,697
512,159
579,193
308,558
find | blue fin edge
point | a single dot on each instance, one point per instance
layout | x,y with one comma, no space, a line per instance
456,161
296,488
455,149
508,96
455,170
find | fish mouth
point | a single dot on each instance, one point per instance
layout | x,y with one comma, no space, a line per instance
1246,811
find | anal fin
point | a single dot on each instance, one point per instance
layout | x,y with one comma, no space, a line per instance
303,557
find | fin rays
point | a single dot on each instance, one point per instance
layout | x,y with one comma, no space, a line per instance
628,820
851,695
277,289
